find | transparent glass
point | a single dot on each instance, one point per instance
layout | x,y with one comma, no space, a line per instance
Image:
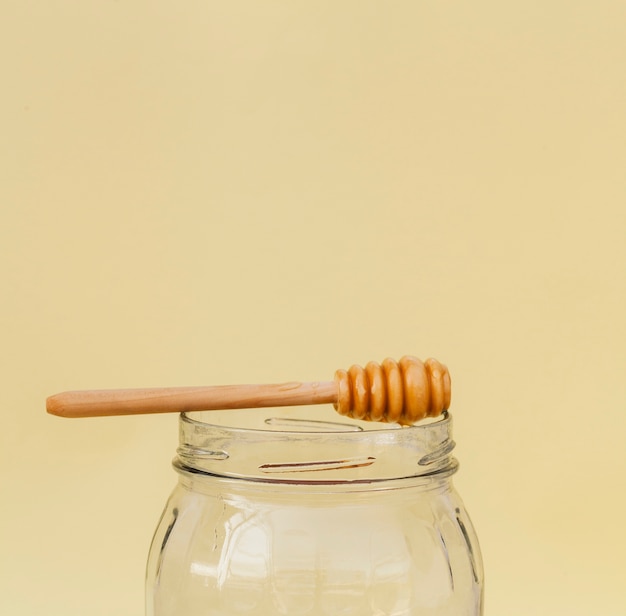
281,514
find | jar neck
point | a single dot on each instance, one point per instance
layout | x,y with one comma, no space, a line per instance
287,446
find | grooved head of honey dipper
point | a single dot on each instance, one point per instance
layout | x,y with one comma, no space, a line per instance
395,392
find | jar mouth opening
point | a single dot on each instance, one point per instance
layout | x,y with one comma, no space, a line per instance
305,444
302,420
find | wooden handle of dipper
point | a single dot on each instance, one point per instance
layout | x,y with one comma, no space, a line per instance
397,392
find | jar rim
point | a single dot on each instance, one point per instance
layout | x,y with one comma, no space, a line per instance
324,426
285,445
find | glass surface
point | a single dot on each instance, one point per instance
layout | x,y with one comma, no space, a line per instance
302,512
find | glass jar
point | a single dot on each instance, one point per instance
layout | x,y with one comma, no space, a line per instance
277,513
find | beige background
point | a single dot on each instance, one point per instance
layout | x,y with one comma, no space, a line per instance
214,192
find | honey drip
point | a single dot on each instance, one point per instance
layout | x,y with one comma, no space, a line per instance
394,392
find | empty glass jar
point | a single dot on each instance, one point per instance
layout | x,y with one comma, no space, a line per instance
279,514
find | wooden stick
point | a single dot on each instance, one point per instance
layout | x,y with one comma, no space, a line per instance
402,392
101,403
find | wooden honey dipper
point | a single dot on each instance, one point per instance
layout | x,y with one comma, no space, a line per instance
395,392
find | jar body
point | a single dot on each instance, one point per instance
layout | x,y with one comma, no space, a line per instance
401,546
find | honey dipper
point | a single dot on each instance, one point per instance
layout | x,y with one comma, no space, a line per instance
396,392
